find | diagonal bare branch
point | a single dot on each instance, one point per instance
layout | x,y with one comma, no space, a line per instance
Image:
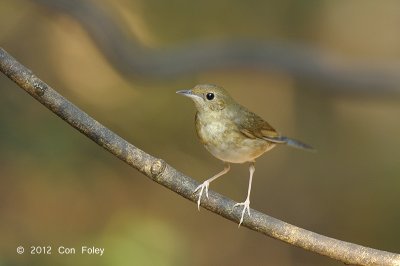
164,174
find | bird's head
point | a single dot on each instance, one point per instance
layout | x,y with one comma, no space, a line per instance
208,97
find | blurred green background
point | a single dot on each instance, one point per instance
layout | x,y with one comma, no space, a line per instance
58,188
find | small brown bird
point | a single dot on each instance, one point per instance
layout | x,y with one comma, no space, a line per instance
232,133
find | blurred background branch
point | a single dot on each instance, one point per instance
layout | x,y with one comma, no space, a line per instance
164,174
304,62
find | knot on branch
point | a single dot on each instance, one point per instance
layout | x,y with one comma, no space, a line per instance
39,87
157,168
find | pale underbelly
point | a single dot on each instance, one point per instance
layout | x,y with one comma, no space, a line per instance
223,140
246,150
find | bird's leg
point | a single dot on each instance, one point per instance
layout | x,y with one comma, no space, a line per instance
206,183
246,203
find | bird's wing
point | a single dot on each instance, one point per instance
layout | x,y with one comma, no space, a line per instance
253,126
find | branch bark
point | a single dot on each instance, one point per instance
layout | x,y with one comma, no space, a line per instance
162,173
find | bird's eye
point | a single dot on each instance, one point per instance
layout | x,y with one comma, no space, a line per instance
210,96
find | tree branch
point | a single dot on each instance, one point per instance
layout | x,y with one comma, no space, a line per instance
164,174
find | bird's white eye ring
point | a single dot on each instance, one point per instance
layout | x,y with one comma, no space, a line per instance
210,96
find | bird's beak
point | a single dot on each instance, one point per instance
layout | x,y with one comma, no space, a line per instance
187,93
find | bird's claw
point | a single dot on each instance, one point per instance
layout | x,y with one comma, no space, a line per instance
246,206
201,188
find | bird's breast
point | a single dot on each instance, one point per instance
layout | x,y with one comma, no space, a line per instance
222,138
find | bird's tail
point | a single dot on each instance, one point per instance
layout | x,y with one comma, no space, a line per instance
290,142
297,144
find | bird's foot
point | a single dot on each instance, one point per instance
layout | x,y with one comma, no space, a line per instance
202,187
246,206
